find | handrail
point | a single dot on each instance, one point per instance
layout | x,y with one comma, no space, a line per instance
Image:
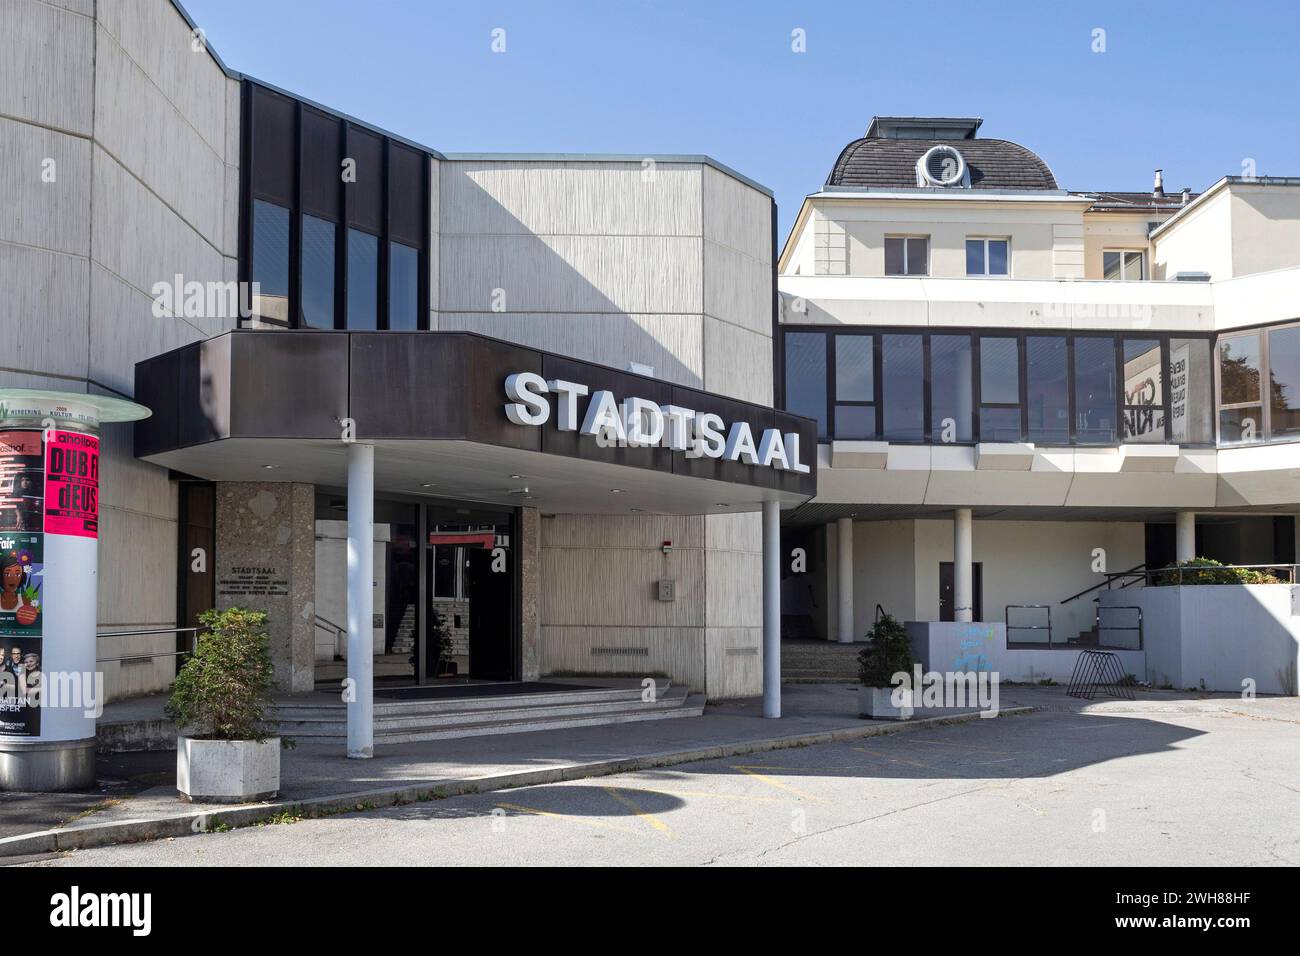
880,612
340,634
1137,627
1106,583
142,633
156,630
1006,620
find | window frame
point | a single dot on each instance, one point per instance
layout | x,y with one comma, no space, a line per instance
984,243
904,237
1123,252
1022,335
251,91
832,384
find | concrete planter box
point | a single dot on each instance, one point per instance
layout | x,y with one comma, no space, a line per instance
876,703
227,771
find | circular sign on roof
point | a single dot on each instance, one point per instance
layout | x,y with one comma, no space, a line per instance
941,166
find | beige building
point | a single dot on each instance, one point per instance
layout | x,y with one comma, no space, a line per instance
1023,390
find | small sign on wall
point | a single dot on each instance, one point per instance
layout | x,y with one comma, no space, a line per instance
259,581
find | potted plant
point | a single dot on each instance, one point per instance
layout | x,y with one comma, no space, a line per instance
443,665
888,652
226,751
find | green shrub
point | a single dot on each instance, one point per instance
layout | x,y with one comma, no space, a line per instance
224,690
888,652
1209,571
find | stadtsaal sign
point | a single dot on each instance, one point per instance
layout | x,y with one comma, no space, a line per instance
641,423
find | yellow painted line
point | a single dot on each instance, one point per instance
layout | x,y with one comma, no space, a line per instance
911,763
567,817
632,805
752,771
722,796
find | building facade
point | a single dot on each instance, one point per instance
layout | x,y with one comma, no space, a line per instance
561,367
1020,389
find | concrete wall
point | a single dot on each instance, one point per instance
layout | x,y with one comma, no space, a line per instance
1265,227
121,148
600,613
1200,241
1105,231
1217,636
667,266
961,648
896,565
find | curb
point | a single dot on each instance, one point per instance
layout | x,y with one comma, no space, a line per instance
179,825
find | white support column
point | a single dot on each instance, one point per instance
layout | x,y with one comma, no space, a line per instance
962,587
1185,536
771,609
361,570
844,563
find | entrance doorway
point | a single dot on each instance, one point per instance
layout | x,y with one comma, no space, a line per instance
444,582
470,582
947,605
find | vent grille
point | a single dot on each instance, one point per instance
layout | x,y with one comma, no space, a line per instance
620,652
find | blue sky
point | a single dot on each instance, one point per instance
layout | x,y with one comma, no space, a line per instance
1196,88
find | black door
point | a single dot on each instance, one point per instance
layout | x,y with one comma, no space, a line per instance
946,586
491,612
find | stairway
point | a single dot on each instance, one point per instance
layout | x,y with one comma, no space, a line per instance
819,662
404,638
591,702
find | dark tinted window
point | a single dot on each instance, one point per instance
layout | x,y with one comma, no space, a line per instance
1047,389
951,388
805,376
403,287
317,273
270,269
1144,392
363,280
903,380
854,371
1094,390
1284,372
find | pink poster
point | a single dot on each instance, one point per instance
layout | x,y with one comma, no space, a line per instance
72,484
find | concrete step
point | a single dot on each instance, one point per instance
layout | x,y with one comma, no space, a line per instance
678,703
292,710
336,723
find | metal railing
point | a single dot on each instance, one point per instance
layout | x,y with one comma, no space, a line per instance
1134,574
152,654
1006,618
1101,628
340,635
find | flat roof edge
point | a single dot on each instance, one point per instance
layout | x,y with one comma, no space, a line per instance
697,158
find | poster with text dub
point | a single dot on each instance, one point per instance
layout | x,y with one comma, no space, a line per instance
72,484
22,480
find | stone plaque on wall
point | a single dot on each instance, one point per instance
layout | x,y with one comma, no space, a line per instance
251,581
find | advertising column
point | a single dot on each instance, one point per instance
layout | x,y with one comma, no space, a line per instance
50,688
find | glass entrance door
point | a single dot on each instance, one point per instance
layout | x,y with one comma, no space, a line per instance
470,586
